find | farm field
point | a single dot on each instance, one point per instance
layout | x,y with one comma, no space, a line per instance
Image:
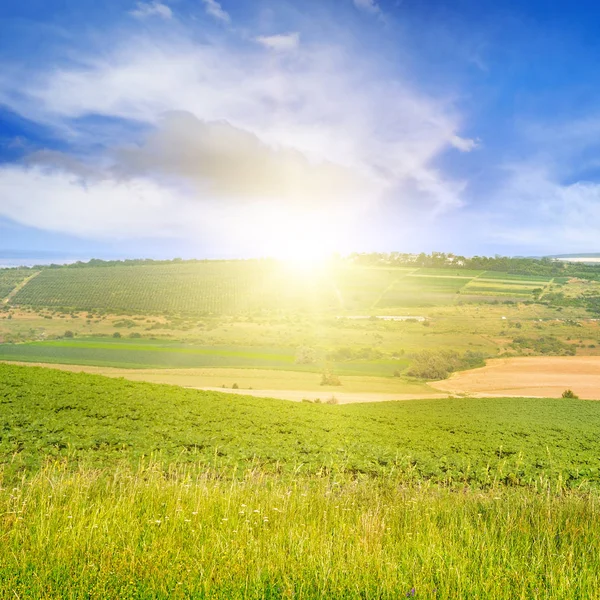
235,287
295,342
529,376
10,279
292,385
156,354
112,488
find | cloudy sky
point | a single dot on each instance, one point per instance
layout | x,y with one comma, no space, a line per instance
234,128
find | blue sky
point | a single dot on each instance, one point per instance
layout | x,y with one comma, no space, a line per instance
224,129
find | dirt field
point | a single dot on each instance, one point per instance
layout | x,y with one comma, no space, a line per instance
546,377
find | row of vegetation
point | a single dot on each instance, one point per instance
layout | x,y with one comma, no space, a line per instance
233,287
545,267
439,364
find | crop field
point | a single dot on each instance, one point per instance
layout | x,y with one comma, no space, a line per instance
510,277
161,354
233,287
117,489
10,278
221,287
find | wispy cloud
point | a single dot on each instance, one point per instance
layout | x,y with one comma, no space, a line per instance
464,144
214,9
368,6
145,10
283,42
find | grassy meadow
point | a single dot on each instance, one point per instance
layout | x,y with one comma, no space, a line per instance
117,489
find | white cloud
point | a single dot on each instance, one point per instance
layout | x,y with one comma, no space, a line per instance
535,211
58,200
215,10
312,129
231,164
368,6
464,144
145,10
281,42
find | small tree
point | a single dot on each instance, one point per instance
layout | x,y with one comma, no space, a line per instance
116,334
306,356
329,377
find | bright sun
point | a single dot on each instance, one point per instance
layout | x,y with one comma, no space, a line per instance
301,240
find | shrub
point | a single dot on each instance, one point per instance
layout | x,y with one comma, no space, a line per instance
544,345
68,334
570,394
235,386
116,334
439,364
329,377
306,356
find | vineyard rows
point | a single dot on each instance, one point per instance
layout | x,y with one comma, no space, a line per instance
184,289
242,286
10,278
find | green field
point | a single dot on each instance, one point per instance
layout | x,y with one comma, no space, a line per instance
131,490
161,354
197,288
459,442
234,287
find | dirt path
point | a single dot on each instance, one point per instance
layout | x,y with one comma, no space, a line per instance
546,377
19,287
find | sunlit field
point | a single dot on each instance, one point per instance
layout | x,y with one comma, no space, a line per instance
152,534
120,489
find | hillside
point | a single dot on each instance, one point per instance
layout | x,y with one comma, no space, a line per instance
232,287
113,489
96,421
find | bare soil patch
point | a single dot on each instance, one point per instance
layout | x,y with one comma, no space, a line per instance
536,376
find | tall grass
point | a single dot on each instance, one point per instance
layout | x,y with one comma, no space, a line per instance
180,533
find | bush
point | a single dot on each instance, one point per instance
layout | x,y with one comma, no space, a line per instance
306,356
329,377
116,334
69,334
570,394
235,386
544,345
347,353
436,365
